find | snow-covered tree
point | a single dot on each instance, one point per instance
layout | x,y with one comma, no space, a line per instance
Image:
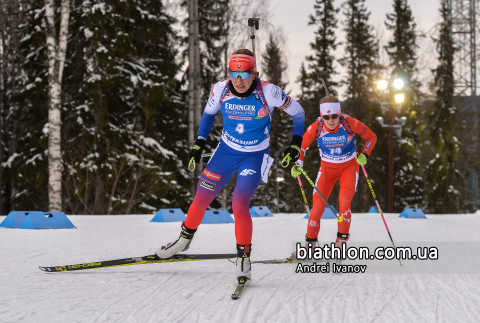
126,121
25,168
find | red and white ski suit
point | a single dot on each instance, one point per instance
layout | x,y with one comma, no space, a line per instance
338,151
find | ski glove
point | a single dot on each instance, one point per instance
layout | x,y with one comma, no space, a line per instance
362,159
196,153
292,153
296,171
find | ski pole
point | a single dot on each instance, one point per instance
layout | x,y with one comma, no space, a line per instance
322,76
379,209
254,24
304,197
319,193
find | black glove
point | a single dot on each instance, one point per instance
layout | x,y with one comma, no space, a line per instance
292,153
196,153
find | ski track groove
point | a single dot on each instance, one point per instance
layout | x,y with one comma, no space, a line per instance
145,299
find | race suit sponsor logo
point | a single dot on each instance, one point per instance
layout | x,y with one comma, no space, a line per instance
283,95
239,118
207,185
368,146
337,138
246,172
211,175
236,59
238,141
276,92
336,159
240,128
240,109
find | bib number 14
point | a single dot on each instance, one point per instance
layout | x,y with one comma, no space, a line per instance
335,151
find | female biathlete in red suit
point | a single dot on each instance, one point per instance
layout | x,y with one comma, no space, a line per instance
336,142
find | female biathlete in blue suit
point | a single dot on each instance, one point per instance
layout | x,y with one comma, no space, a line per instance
246,104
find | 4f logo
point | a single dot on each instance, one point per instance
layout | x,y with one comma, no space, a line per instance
313,224
240,128
246,172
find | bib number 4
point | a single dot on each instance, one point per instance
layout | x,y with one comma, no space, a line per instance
240,128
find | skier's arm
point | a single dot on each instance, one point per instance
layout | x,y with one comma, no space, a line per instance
276,97
210,112
308,137
364,132
294,109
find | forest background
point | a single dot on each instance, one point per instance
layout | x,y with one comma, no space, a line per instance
123,104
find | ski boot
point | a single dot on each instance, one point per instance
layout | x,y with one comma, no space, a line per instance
342,239
309,243
243,263
179,245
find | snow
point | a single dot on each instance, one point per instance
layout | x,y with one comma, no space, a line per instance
200,291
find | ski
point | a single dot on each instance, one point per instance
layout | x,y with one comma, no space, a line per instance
288,260
151,259
240,288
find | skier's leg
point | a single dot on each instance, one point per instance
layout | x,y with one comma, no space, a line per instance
348,185
326,179
216,175
249,176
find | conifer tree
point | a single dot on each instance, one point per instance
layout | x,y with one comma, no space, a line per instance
322,58
126,140
26,136
274,67
443,178
361,53
12,15
360,61
401,50
312,90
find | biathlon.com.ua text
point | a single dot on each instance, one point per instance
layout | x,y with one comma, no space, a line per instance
336,254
